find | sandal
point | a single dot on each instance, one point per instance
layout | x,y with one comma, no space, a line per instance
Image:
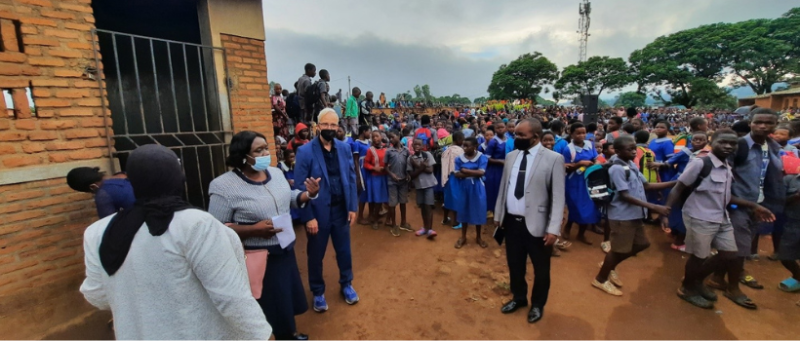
460,242
681,248
563,244
431,234
482,243
421,232
364,222
789,285
751,282
605,246
742,301
695,299
406,227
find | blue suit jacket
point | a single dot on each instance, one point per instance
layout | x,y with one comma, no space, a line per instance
310,163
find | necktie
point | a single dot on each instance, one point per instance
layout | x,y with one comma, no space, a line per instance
519,190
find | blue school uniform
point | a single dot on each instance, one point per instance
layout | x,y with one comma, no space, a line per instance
509,142
495,149
288,173
362,148
663,149
581,207
678,162
472,206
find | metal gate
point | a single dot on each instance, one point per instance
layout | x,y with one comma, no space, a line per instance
164,92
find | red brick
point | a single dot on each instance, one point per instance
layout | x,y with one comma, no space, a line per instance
242,66
13,57
41,113
18,70
25,124
67,73
94,122
64,145
79,45
44,61
21,160
79,27
68,34
10,15
10,208
76,112
53,103
32,148
86,154
71,93
76,8
57,14
66,53
4,124
84,84
12,136
89,102
58,157
51,82
16,266
6,149
80,133
33,51
235,59
94,143
48,201
21,106
13,83
42,41
41,93
42,3
38,22
57,124
224,37
25,29
42,135
231,45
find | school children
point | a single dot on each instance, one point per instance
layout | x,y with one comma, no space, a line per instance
375,163
420,165
578,155
707,220
626,214
452,189
397,170
606,152
470,168
496,152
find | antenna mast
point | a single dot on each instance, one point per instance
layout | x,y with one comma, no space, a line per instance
584,9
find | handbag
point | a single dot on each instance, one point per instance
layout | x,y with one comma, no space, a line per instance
256,262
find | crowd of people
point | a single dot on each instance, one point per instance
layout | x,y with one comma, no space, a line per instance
713,180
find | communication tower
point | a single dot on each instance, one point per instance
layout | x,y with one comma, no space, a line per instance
584,8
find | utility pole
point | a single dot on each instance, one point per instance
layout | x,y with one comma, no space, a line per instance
584,9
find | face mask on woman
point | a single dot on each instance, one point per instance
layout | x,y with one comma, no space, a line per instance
262,162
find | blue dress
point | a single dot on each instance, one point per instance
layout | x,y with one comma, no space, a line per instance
377,184
663,149
452,192
495,149
362,147
472,206
581,207
679,161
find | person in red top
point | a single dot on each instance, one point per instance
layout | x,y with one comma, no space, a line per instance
300,137
377,187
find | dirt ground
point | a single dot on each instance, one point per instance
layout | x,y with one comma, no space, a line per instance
413,288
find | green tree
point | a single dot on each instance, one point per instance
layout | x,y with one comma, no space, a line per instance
630,99
480,100
594,75
426,94
417,92
523,78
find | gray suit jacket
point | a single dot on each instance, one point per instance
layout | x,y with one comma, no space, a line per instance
544,194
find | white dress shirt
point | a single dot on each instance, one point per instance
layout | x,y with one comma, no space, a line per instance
516,206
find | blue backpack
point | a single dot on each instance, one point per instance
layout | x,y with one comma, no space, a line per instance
424,134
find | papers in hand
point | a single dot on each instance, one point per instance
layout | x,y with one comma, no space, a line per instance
287,236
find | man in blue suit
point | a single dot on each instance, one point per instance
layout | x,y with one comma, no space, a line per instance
330,214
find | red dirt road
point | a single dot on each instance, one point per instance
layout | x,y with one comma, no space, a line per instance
413,288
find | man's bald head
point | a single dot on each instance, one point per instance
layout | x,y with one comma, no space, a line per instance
530,123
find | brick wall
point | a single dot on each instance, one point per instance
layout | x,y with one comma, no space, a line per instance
46,50
251,107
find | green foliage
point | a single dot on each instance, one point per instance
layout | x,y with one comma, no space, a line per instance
523,78
480,100
630,99
594,75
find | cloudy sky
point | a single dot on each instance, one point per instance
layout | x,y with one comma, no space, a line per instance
455,45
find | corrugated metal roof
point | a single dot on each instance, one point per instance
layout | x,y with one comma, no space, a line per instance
792,91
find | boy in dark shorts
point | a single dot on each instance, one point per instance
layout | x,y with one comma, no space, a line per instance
707,220
626,214
397,167
420,165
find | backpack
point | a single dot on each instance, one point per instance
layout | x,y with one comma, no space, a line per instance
312,95
425,135
598,182
681,141
293,106
707,166
643,156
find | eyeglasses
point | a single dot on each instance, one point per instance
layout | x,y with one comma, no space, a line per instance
328,125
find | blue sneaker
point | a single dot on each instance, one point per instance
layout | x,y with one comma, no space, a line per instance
320,305
350,296
457,227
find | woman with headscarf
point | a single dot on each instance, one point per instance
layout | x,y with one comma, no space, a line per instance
166,270
247,199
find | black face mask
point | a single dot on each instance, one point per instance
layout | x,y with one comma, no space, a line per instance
522,144
328,134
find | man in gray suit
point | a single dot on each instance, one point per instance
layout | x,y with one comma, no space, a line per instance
530,206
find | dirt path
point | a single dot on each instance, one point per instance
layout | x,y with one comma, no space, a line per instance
412,288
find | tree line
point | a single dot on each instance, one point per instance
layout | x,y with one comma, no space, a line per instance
682,68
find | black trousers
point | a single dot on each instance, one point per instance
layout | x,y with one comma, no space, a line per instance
520,245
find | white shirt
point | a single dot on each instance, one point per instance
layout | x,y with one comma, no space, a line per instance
513,205
188,283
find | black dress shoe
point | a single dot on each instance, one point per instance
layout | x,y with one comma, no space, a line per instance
512,306
299,336
535,314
